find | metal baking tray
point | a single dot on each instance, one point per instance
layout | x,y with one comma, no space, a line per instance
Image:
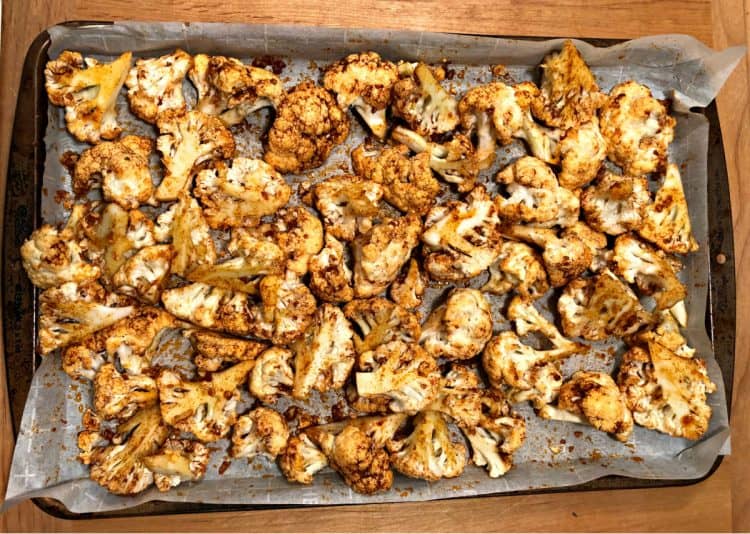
22,214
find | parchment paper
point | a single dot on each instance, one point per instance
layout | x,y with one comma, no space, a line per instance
555,454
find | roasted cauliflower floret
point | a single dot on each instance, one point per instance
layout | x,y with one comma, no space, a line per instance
637,128
363,81
455,161
666,221
308,125
565,257
301,460
462,239
569,94
272,375
615,204
428,452
666,392
145,274
155,85
90,438
534,196
72,312
408,287
118,396
260,432
191,238
667,334
407,181
187,139
330,276
592,398
403,372
528,319
518,267
460,397
120,168
178,460
648,268
206,409
500,432
119,467
379,428
459,328
601,306
582,152
347,204
53,257
88,90
595,241
213,350
82,360
232,90
380,253
324,355
210,307
286,310
420,100
379,321
239,192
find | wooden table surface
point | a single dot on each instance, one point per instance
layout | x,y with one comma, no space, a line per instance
720,503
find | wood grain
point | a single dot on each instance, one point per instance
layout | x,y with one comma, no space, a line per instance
720,503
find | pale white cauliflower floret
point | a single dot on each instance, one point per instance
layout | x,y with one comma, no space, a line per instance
582,152
272,375
615,204
347,204
155,84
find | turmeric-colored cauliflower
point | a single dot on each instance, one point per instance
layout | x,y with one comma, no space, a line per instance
615,204
145,274
213,350
118,396
187,139
232,90
178,460
380,253
408,287
462,238
378,321
637,128
155,85
420,100
363,81
582,152
330,276
518,267
459,328
120,168
261,431
308,125
88,90
666,392
407,182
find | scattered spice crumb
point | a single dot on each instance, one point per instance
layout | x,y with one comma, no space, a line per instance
224,466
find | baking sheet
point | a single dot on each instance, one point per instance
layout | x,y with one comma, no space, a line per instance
556,454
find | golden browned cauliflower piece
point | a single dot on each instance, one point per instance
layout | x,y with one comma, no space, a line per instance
301,459
518,267
666,332
648,268
330,276
155,84
569,95
118,396
90,438
583,149
272,375
324,355
207,409
88,90
462,238
119,467
239,192
378,321
363,81
615,204
347,204
459,328
232,90
145,274
178,460
213,350
120,168
666,392
262,431
308,125
191,238
211,307
666,221
592,398
420,100
187,139
460,396
408,287
428,452
637,128
533,195
595,241
380,253
601,306
407,181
